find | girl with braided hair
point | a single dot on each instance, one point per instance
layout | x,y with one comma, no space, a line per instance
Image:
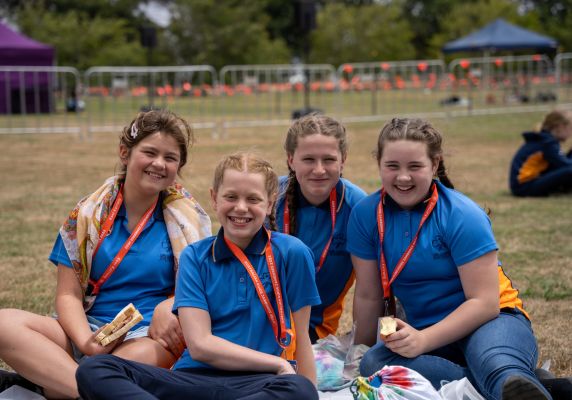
433,248
315,205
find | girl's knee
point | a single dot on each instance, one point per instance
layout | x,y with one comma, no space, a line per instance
300,387
5,319
374,359
88,366
89,373
10,316
12,321
365,365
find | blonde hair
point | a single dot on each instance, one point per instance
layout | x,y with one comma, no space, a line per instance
554,119
252,163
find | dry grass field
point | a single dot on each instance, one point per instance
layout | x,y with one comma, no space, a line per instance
43,176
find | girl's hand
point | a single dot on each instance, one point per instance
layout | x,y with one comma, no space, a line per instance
166,330
285,368
407,341
92,347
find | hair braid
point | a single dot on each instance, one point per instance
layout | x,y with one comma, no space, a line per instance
292,201
272,220
442,175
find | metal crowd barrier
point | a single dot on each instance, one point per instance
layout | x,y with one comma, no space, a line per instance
115,94
563,66
252,95
499,83
56,99
39,100
378,90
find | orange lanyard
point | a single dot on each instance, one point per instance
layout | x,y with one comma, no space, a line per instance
333,210
105,229
282,336
385,281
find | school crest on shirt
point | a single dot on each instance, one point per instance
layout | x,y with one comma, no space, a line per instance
266,282
439,247
338,246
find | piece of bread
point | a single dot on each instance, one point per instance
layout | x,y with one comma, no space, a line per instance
123,321
387,326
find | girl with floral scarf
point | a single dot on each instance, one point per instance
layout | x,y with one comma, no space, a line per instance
119,245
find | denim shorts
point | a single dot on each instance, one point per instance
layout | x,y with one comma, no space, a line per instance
95,324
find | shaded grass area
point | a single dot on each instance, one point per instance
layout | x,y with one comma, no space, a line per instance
43,176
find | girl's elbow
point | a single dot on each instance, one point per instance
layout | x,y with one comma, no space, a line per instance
493,309
198,351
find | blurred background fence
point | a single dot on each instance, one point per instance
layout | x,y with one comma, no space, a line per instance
103,99
33,99
113,95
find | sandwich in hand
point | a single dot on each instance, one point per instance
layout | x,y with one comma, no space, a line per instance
123,321
387,326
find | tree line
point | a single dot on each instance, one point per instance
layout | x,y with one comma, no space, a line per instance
227,32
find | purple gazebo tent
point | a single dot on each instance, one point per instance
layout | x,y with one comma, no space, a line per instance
24,92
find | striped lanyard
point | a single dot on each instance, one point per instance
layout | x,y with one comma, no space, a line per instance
105,230
385,281
333,211
281,334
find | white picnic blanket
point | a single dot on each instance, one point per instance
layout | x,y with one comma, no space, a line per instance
19,393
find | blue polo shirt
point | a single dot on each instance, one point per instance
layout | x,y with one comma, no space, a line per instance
457,231
146,275
213,279
314,227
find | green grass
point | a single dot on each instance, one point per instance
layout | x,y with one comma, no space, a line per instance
43,176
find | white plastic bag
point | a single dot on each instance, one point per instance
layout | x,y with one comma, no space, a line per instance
337,361
394,383
459,390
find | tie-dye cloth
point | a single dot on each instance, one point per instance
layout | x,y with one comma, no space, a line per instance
394,383
185,219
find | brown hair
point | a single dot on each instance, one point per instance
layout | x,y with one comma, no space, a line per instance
311,124
252,163
554,119
416,130
150,122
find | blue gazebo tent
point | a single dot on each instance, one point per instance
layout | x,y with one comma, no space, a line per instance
500,35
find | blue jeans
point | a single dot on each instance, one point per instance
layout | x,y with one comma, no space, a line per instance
502,347
559,180
109,377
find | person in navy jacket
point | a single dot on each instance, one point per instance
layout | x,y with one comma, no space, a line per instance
540,167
